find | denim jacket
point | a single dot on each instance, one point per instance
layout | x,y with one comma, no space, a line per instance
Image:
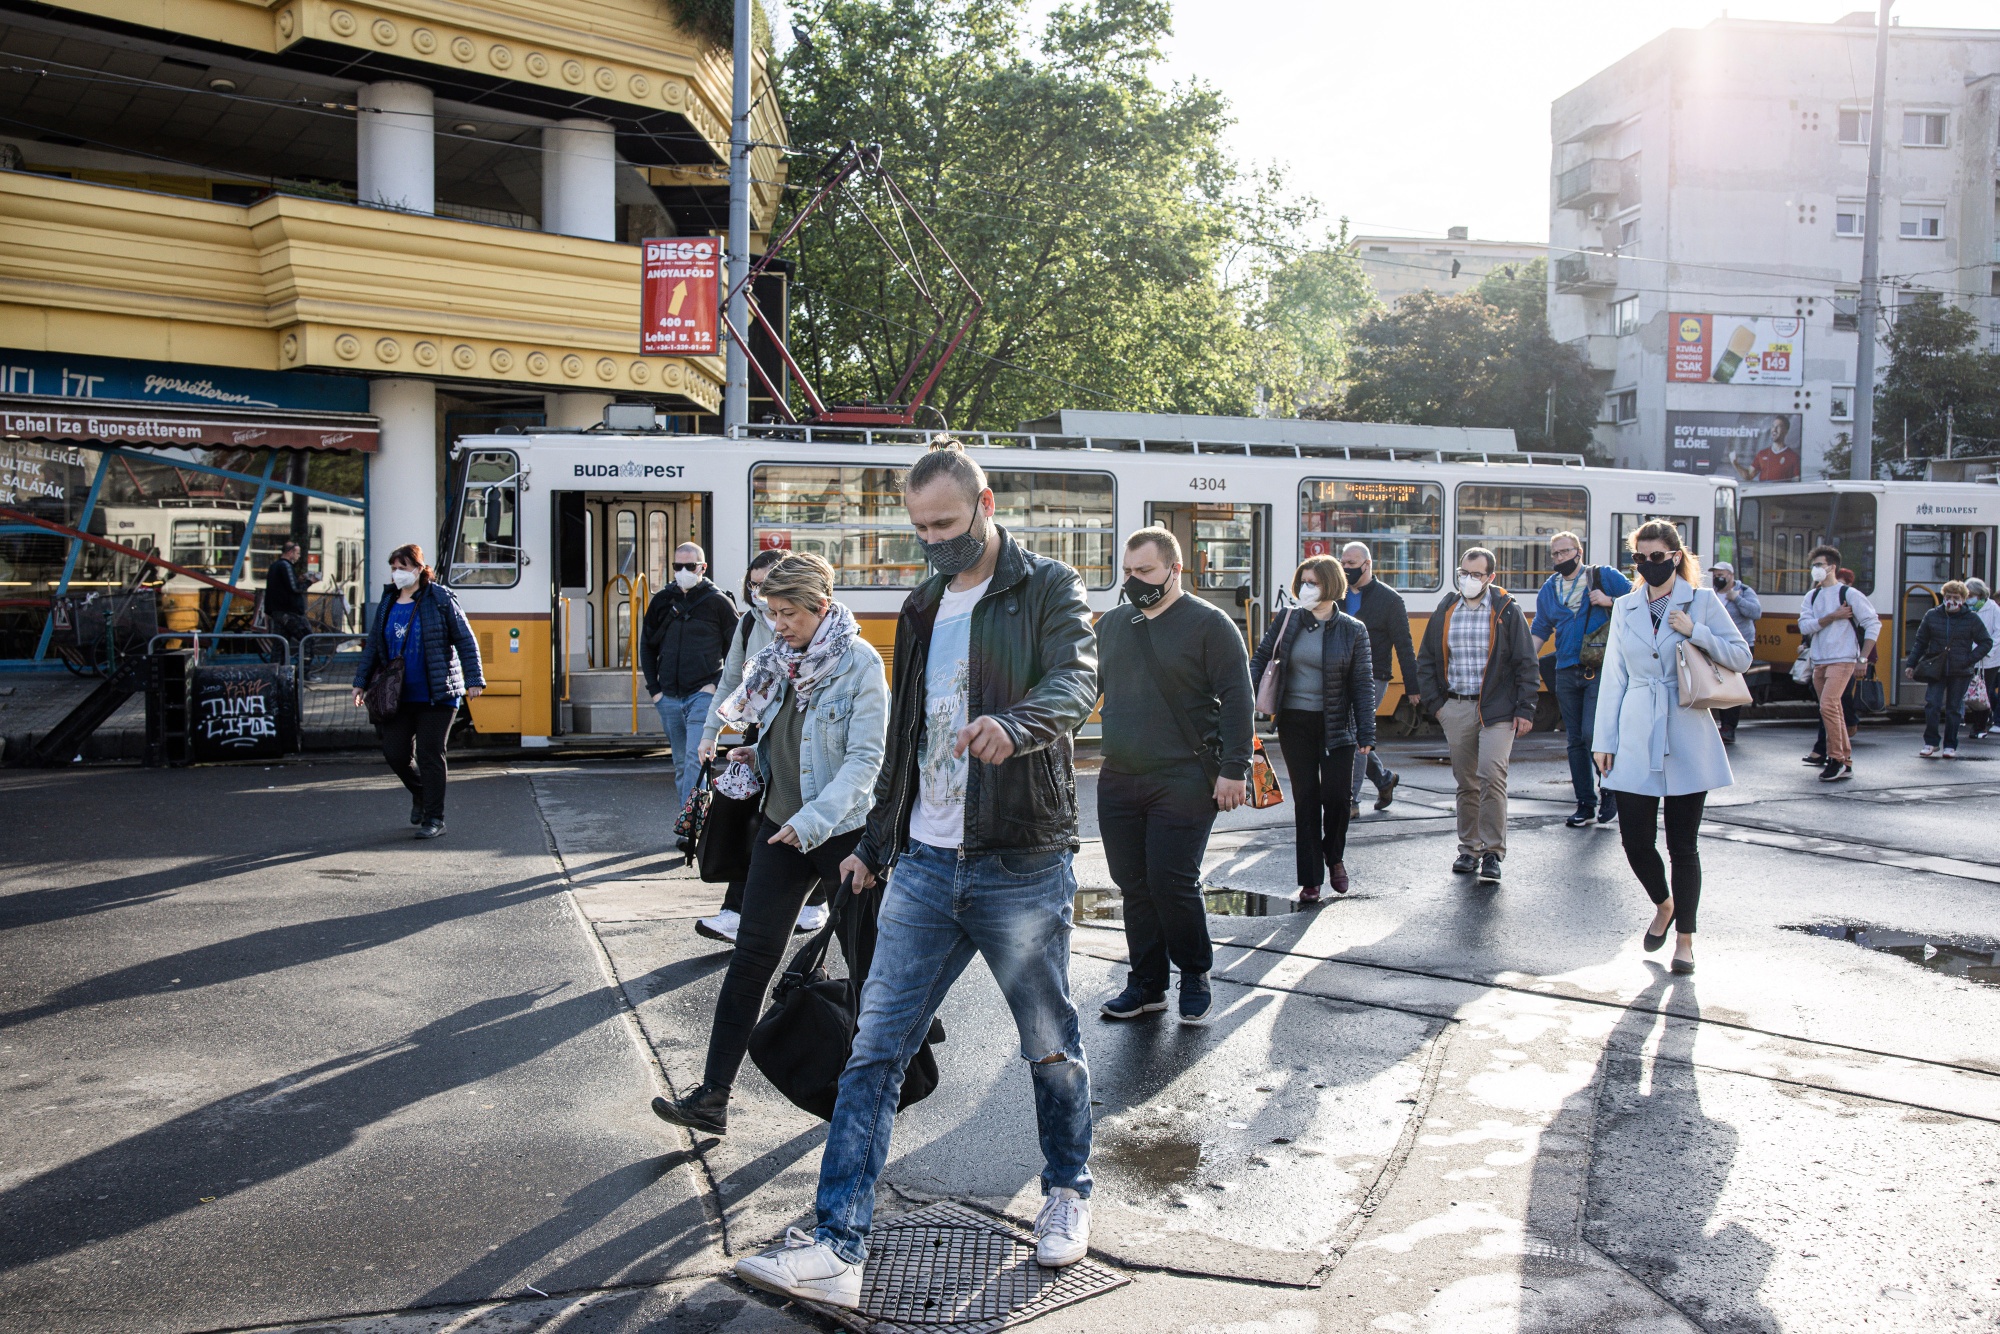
840,746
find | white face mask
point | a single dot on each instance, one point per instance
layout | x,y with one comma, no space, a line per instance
686,578
402,578
1823,573
1308,596
1470,586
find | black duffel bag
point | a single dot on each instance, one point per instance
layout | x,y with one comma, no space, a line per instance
802,1042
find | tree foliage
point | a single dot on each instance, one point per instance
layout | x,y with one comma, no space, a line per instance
1122,255
1937,376
1484,358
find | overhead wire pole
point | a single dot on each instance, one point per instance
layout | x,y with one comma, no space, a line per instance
1861,453
736,363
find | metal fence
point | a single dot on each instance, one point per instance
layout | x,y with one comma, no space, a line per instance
327,716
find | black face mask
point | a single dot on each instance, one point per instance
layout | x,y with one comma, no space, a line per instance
1142,594
955,555
1658,572
1566,568
1353,576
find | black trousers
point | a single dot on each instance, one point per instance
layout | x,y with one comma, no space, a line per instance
780,878
732,896
413,743
1638,827
1155,829
1321,780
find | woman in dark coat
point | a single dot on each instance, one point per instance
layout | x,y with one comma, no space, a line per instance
419,622
1326,714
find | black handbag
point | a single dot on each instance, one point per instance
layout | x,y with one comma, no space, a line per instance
384,694
803,1041
722,848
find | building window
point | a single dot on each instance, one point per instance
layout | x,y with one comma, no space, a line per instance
1625,316
1923,129
1840,404
1623,406
1516,523
487,553
1846,309
1853,125
1628,233
1922,222
1402,523
1848,216
854,518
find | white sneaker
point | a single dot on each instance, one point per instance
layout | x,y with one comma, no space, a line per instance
1062,1229
804,1268
722,926
1927,753
1948,753
811,918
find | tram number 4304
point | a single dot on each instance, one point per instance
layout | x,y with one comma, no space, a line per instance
1208,483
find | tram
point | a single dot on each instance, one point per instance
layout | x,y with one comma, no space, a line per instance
557,539
1903,540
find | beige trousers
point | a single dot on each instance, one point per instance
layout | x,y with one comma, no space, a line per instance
1831,679
1479,756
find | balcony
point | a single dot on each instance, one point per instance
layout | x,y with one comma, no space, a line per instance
1593,182
289,284
1599,351
1586,271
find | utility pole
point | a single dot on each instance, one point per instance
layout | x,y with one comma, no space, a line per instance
1861,455
736,363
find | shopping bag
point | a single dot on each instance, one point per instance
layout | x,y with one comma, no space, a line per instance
1264,789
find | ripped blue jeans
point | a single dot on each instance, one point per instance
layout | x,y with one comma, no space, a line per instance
939,908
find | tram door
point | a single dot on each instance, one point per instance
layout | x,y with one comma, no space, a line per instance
1226,552
632,557
1926,556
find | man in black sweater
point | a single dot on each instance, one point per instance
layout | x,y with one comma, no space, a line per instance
1388,622
1177,732
285,585
681,648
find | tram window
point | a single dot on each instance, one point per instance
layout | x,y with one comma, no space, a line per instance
486,552
1516,523
657,548
854,518
1402,523
208,545
1776,533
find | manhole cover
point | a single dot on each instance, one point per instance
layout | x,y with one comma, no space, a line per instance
945,1269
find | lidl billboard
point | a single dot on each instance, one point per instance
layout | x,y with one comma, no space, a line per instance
1736,349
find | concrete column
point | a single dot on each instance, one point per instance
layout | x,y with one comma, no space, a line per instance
573,412
397,147
580,180
402,476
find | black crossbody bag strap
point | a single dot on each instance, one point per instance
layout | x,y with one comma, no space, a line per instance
1180,712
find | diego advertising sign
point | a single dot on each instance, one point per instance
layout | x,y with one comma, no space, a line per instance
681,288
1748,446
1736,349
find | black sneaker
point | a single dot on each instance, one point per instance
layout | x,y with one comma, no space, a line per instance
1132,1002
1196,999
1812,759
1386,792
1489,869
1582,816
1608,810
416,812
1464,864
431,829
1835,771
703,1107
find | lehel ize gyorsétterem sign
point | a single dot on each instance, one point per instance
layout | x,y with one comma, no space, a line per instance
681,290
1735,349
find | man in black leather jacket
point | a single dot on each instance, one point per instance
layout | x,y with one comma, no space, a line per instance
975,824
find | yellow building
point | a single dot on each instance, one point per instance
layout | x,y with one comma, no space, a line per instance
321,224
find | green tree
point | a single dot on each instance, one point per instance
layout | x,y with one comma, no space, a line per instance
1094,209
1303,322
1938,380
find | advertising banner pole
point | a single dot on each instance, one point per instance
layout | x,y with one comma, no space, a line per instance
736,362
1861,454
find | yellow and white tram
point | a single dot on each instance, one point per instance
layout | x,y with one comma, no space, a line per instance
558,538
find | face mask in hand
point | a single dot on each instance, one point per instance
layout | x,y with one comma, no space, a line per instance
955,555
1566,568
402,578
1308,596
1142,594
1470,586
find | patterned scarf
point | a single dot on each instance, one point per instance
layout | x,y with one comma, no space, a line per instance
778,663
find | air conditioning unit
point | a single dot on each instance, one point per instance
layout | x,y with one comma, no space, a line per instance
1599,212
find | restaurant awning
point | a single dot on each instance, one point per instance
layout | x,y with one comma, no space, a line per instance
80,421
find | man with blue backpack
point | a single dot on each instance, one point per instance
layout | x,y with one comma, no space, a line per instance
1574,607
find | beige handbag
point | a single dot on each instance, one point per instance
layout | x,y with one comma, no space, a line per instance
1705,683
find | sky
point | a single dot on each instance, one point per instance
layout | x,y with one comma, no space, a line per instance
1414,116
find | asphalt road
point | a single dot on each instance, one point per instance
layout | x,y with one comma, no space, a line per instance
266,1061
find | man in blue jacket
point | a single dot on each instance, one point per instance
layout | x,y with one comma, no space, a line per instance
1574,601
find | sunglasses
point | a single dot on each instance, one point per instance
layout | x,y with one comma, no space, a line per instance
1656,558
692,567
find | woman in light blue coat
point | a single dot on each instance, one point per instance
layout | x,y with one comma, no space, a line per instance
1650,749
821,705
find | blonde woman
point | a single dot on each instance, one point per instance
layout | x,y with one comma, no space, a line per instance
1650,749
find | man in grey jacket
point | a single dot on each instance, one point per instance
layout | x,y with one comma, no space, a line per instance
1740,601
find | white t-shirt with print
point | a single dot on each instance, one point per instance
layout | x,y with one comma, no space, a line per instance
939,817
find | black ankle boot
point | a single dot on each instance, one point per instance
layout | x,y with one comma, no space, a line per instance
703,1107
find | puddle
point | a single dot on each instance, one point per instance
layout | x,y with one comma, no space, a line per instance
1971,957
1160,1161
1104,905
